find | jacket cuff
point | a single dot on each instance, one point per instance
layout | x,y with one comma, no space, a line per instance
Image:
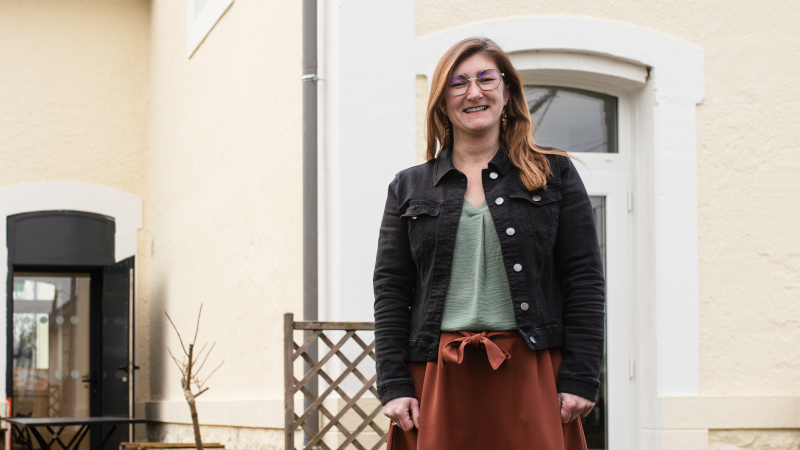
578,386
396,389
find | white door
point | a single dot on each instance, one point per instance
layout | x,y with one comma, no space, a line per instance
595,127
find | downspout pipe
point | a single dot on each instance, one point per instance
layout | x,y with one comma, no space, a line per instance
310,219
310,229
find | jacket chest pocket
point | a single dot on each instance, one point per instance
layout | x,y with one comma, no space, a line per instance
537,211
421,219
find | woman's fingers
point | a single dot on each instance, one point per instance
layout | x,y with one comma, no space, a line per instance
415,412
566,411
573,406
403,417
401,411
405,421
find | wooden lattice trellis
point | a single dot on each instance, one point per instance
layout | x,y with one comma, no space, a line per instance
292,351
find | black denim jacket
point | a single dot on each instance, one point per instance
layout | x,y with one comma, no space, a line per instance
550,253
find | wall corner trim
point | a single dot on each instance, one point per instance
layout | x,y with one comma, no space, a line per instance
200,23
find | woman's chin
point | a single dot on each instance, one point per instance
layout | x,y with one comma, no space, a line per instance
478,129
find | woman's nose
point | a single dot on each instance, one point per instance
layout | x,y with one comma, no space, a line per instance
473,90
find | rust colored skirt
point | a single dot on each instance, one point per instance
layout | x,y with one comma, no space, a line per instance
488,391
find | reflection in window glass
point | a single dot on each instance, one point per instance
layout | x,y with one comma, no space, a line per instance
50,330
594,425
573,120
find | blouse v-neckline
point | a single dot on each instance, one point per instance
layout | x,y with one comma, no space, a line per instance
479,208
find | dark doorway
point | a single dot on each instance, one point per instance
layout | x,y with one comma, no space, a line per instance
70,320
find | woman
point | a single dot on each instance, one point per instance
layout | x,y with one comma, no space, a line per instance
489,290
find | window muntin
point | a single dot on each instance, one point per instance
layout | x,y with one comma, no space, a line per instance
574,120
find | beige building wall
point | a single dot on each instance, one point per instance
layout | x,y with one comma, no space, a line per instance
226,188
749,206
102,92
74,99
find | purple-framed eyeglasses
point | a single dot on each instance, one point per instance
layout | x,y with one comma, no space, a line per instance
487,80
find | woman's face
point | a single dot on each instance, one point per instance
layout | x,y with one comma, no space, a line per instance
476,112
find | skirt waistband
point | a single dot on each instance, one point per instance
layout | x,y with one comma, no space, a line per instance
453,351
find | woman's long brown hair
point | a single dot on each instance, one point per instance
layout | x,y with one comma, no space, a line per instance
517,139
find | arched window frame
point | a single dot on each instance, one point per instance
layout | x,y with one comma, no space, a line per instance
659,81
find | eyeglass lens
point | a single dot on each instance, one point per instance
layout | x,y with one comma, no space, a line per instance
486,79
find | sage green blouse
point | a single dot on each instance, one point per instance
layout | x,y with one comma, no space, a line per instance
478,297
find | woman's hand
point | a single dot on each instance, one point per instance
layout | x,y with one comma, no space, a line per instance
404,412
572,406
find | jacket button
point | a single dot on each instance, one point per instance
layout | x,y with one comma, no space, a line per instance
517,267
510,231
536,198
498,201
533,340
493,175
523,306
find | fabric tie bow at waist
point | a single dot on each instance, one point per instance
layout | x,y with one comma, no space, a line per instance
453,351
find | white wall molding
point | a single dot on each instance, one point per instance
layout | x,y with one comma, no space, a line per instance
251,413
199,23
124,207
705,412
679,63
259,413
369,136
574,67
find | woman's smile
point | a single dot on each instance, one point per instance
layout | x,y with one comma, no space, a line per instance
476,109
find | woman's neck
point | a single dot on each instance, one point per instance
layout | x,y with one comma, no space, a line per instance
474,152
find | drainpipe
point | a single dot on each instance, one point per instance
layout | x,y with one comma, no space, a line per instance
310,228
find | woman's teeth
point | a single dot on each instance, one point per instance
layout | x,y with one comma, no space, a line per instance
477,108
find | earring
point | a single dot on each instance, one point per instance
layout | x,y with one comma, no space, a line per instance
505,119
446,130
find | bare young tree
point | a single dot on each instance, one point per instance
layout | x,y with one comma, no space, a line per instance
190,372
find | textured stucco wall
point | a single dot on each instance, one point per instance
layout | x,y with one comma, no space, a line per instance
226,187
74,98
748,191
754,439
73,92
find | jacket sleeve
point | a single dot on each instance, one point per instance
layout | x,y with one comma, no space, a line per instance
580,268
393,283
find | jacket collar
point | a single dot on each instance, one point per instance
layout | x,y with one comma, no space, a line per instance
444,162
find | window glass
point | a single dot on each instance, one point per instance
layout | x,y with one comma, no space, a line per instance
573,120
50,331
594,425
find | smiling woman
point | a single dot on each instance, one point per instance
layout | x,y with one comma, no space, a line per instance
490,298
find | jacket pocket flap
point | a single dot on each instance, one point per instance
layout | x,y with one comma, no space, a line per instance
538,197
419,209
